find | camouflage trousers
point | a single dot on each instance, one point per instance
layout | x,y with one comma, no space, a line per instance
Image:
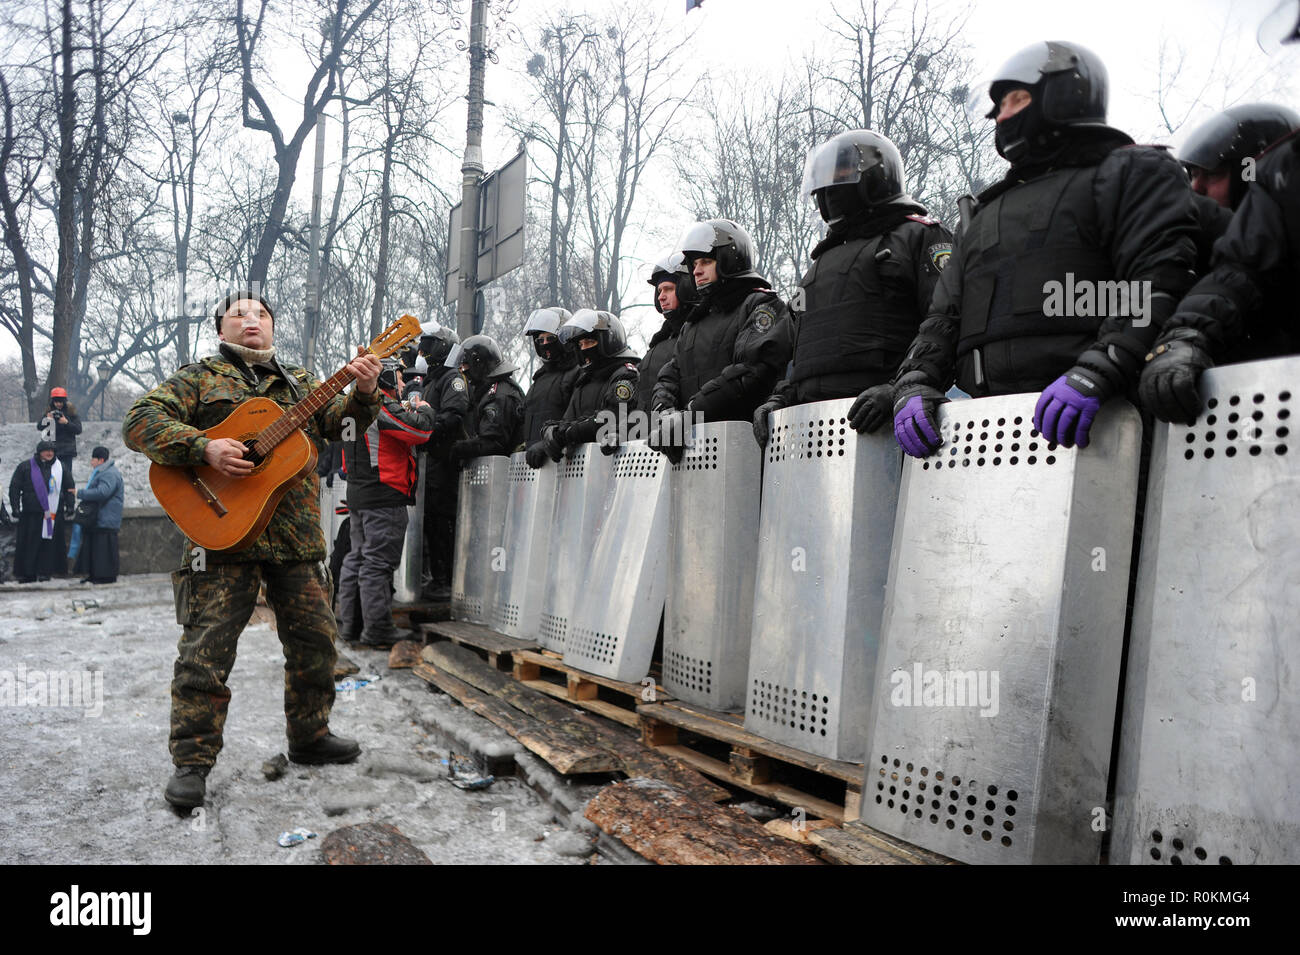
214,606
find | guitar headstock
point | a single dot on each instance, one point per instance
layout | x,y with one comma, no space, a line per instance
395,336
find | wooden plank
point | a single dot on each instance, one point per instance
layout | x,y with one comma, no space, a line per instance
404,655
556,749
371,843
471,634
634,758
896,847
714,728
797,830
611,711
552,662
669,826
787,795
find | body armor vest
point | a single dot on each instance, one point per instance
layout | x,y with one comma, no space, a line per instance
852,321
546,399
1028,236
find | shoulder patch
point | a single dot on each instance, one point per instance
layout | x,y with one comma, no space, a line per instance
623,391
939,254
924,220
458,383
764,316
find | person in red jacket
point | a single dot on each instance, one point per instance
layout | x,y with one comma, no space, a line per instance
382,481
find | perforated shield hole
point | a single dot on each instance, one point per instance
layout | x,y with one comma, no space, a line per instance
689,672
806,711
991,443
1245,424
481,474
521,473
701,456
637,462
506,615
574,467
1180,850
592,644
555,629
812,440
983,811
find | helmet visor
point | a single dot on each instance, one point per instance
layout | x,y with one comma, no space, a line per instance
584,323
543,320
833,163
699,240
453,357
1279,27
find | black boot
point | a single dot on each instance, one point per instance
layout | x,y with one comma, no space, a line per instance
328,749
187,787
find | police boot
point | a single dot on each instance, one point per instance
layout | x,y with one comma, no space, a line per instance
186,788
328,749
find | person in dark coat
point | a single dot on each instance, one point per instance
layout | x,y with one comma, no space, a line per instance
98,559
38,500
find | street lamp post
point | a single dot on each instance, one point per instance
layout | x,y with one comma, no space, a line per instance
104,370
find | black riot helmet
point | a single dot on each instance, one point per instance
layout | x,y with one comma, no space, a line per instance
1225,140
723,241
1067,80
852,173
672,267
479,357
604,327
436,342
547,320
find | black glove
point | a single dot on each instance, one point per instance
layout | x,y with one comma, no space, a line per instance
761,429
555,437
464,450
1168,384
668,435
873,408
608,449
536,454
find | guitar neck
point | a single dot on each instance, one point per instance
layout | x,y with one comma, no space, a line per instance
297,416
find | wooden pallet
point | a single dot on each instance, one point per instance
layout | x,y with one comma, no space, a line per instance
761,766
496,648
859,844
546,672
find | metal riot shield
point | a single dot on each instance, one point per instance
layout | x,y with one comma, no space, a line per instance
581,482
712,556
616,614
517,607
990,735
823,554
480,523
409,577
1209,761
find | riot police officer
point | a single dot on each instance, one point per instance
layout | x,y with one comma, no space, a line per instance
870,284
1080,207
733,345
496,419
552,382
447,393
606,382
674,296
1245,307
1219,157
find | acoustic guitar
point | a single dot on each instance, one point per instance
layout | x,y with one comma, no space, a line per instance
227,514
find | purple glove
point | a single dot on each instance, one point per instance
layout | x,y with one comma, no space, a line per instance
916,423
1066,408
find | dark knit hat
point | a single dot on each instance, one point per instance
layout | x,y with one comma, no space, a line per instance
44,446
224,305
100,452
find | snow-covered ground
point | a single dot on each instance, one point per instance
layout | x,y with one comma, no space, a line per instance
82,769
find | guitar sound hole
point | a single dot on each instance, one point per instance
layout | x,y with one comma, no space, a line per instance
259,460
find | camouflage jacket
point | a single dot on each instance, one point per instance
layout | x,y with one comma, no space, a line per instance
167,424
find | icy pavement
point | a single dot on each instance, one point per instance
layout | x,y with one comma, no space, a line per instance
84,701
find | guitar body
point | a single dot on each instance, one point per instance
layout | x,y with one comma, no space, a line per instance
249,502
